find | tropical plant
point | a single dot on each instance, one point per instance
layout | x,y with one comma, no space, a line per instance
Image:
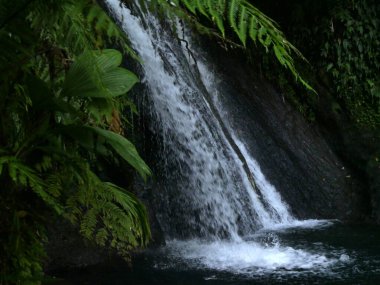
238,17
342,42
61,96
351,56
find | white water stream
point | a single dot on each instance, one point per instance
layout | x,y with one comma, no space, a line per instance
208,204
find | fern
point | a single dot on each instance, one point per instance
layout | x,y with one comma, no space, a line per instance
24,176
57,77
111,215
243,27
246,22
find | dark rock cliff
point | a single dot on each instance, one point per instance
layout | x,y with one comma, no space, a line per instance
301,159
295,155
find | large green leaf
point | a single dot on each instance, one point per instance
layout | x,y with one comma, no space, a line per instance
97,74
94,138
119,81
125,149
85,137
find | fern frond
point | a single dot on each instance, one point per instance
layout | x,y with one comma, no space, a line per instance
89,221
232,14
109,214
202,8
246,21
242,26
25,177
192,5
253,29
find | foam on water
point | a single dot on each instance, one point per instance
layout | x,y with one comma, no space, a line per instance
301,224
250,258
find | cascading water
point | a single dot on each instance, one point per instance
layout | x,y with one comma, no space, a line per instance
214,202
212,186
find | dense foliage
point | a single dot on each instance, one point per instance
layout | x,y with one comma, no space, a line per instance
351,55
61,98
62,93
341,40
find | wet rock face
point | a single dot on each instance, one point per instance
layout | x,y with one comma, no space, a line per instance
292,153
374,170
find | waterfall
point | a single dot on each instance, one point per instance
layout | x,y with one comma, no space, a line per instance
208,190
214,203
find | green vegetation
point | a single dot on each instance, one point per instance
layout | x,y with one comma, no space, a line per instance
63,95
61,99
351,56
341,40
234,19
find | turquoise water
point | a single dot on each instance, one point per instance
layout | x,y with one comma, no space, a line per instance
335,254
